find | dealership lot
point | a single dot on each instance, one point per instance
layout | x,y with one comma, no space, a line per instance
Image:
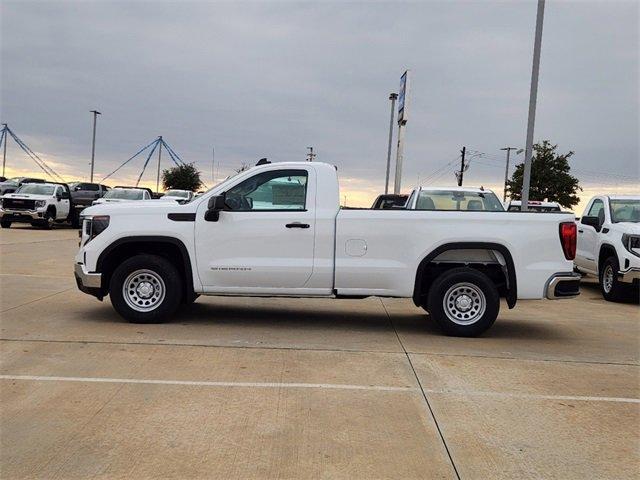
306,388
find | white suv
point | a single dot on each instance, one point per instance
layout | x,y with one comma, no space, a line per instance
609,244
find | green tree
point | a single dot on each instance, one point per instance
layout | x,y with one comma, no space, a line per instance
182,177
550,177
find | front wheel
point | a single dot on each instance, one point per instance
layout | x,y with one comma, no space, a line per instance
611,289
5,224
145,289
464,302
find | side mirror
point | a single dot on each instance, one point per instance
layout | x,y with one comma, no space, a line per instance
58,196
591,221
76,189
215,205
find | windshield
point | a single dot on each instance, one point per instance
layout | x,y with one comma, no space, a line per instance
448,200
177,193
124,194
626,210
36,189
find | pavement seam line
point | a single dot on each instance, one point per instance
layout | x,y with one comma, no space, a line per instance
197,383
36,300
424,395
533,396
313,349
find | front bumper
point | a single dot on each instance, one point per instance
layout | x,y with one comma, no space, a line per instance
630,276
563,285
21,215
88,282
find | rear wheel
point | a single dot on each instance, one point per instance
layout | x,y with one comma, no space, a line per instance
146,289
5,224
464,302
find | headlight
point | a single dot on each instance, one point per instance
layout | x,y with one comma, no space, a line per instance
94,226
40,203
632,243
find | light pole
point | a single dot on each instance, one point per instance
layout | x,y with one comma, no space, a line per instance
506,170
213,163
93,143
533,96
5,132
393,97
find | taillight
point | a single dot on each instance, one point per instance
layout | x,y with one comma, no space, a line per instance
568,238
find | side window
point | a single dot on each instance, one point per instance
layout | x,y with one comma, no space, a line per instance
596,207
274,190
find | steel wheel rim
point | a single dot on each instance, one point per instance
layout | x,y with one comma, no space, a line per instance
607,278
464,303
143,290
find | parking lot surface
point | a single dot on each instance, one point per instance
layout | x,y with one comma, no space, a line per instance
306,388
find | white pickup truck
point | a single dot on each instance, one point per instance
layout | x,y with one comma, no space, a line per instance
40,204
609,244
278,230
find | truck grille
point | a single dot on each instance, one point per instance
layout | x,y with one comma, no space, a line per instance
18,204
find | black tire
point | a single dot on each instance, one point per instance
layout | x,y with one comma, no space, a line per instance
162,276
5,224
612,290
75,218
47,219
475,292
190,299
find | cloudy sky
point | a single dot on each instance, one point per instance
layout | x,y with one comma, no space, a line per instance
268,79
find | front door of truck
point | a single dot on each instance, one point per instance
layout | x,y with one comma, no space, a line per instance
586,255
264,238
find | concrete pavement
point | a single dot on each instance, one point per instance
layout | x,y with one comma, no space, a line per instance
299,388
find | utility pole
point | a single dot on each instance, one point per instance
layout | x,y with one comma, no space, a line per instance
159,158
5,131
93,144
462,167
310,155
506,172
393,97
533,97
403,95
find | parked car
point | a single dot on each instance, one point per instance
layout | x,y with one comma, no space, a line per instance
40,204
83,194
180,196
609,244
535,206
278,230
386,201
124,194
454,199
12,184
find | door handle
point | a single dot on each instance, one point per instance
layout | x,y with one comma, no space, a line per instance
580,231
297,225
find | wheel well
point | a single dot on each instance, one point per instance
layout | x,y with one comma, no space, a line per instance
171,249
52,208
606,251
494,260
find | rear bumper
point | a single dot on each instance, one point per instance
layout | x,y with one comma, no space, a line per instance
563,285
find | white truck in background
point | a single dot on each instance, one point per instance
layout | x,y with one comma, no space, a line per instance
609,244
278,230
40,204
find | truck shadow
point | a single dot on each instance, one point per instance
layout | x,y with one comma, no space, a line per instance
417,323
